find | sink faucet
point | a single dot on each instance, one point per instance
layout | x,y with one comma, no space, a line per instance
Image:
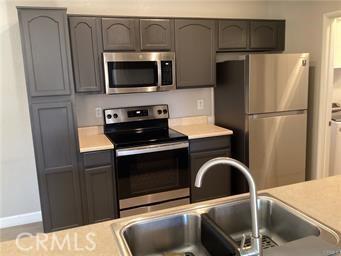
256,240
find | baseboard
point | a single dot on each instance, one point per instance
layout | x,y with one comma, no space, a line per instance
20,219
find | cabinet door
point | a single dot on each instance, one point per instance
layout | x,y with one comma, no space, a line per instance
233,34
119,34
267,35
217,180
85,53
195,53
56,158
156,34
100,193
46,50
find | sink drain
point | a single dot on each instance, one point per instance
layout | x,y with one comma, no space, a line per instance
267,242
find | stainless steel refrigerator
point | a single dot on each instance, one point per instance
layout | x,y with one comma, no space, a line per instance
263,98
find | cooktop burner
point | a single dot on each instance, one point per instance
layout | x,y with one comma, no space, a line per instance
135,126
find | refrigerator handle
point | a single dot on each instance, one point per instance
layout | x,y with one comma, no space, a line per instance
283,113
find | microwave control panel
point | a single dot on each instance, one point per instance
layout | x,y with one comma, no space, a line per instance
166,72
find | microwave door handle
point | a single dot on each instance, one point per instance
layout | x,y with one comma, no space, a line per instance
159,73
150,149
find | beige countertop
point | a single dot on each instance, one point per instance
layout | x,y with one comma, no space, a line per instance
320,199
197,127
92,139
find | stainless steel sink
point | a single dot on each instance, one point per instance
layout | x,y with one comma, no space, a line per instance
277,224
179,231
173,234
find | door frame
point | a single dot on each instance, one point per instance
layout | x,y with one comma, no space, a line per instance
326,94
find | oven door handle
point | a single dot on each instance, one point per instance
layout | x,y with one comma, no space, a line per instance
150,149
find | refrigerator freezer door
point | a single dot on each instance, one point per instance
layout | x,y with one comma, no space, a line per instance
277,148
277,82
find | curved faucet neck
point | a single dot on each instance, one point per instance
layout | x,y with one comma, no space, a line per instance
253,195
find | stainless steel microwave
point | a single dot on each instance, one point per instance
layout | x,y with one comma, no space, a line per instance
129,72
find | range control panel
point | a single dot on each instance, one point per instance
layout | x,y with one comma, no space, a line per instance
130,114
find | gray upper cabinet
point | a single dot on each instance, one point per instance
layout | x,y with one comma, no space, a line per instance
45,41
156,34
86,55
120,34
267,35
233,34
195,52
56,159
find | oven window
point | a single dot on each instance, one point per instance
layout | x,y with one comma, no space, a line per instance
124,74
152,173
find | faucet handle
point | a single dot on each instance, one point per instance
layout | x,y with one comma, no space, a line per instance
242,243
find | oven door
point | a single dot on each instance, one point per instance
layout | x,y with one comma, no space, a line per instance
152,174
131,72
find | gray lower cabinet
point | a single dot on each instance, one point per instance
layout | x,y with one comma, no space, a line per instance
233,34
217,181
195,50
99,186
156,34
120,34
56,159
267,35
85,35
45,44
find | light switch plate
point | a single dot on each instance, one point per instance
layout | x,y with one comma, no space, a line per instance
200,104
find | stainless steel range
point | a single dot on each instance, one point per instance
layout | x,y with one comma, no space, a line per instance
152,166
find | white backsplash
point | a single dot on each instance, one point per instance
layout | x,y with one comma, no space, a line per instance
181,103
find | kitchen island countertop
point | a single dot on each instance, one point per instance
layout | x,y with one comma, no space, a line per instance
319,199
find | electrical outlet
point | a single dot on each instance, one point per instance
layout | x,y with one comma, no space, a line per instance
98,112
200,104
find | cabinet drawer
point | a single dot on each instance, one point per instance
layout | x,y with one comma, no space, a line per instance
204,144
97,158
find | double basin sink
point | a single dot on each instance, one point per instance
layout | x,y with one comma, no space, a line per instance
216,229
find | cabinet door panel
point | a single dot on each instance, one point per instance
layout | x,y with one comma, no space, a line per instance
85,53
55,150
100,193
267,35
195,53
44,36
119,34
233,34
217,180
61,200
156,34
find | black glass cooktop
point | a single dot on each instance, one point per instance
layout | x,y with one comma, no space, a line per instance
143,137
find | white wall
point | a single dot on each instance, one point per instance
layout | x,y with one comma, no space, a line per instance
19,190
337,85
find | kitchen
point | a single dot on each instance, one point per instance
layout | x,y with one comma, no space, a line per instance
86,112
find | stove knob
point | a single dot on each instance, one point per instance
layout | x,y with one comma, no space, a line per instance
159,111
165,111
115,115
109,116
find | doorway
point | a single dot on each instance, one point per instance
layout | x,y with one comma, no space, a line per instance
326,92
